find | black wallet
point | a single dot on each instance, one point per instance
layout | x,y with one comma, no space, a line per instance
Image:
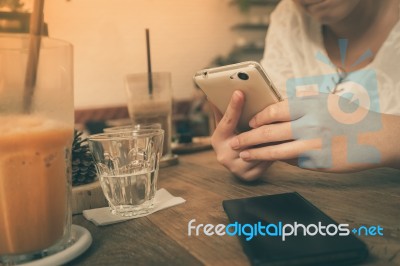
290,208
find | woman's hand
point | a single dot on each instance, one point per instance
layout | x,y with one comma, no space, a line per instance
324,132
222,138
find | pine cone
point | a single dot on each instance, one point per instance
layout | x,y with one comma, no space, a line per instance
83,168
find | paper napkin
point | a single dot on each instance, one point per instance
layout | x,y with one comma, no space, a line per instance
102,216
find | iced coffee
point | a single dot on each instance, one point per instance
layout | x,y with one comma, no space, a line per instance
151,112
36,134
34,182
151,105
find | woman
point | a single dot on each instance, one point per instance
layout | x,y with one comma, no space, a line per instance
301,30
340,44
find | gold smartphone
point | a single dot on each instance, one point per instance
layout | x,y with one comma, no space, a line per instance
219,83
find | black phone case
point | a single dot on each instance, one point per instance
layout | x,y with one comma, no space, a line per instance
295,250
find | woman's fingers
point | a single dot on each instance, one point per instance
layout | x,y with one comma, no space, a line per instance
227,125
262,135
284,151
247,170
256,171
278,112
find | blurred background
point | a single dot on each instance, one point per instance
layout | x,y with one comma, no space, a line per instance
109,42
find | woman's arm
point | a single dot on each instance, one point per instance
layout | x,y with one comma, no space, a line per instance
387,140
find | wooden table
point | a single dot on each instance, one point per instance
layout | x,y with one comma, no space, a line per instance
364,198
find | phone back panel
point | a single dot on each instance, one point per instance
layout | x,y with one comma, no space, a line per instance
219,84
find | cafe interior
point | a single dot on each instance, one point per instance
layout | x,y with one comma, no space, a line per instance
186,36
194,194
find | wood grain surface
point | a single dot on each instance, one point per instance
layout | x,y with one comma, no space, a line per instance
364,198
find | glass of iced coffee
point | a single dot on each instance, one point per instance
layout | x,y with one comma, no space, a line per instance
36,134
155,106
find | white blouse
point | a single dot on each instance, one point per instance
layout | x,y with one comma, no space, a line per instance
295,49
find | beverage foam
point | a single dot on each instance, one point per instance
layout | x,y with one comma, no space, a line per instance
14,124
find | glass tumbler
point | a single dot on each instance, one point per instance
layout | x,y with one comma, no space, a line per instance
127,163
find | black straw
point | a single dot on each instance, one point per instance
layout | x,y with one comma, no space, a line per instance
149,73
36,25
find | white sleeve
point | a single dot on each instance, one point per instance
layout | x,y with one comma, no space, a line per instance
276,60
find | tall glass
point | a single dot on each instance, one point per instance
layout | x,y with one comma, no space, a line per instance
146,108
35,149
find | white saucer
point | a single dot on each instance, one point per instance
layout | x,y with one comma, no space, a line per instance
83,240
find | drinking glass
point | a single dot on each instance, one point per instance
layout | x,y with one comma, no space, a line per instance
36,134
131,127
149,108
127,163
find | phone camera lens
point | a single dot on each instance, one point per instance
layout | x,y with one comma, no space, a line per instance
243,76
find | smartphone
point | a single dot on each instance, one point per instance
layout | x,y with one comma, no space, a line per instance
219,83
280,213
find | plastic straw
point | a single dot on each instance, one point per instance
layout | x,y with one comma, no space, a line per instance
149,72
36,25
